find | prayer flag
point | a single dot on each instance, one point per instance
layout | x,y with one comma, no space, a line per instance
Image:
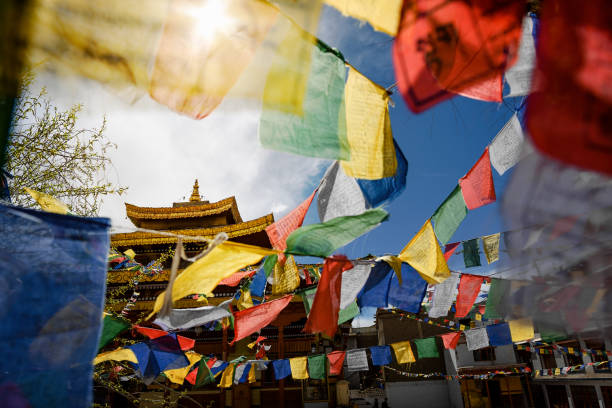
395,263
217,367
471,256
167,352
497,291
183,319
381,355
385,190
375,291
299,369
336,361
203,275
120,354
368,129
443,297
280,230
521,329
177,375
201,375
53,273
286,277
282,368
449,215
245,300
323,239
469,286
344,315
241,374
499,334
235,278
353,281
185,342
112,326
227,378
451,340
323,317
424,255
518,76
490,244
316,367
320,130
403,352
409,294
251,320
357,360
477,185
339,195
507,148
476,338
47,202
449,250
427,348
383,16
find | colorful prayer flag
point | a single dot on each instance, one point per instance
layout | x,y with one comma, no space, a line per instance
357,360
469,286
403,352
477,185
381,355
119,354
443,297
449,215
424,255
449,250
47,202
451,340
112,326
177,375
383,16
476,338
521,329
185,342
241,374
316,367
251,320
227,378
497,291
286,277
353,281
280,230
183,319
339,195
375,291
344,314
407,294
336,361
299,369
499,334
282,368
490,244
427,348
508,146
471,256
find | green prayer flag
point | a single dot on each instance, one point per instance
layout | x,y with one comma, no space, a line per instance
427,348
449,215
344,315
112,326
269,263
498,289
323,239
204,375
316,366
320,129
471,257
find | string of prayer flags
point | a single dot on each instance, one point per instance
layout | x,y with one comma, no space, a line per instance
111,327
217,367
353,281
383,17
286,277
282,368
407,293
497,291
177,375
451,340
566,118
339,195
508,146
183,319
381,355
490,244
357,360
449,215
477,185
336,361
227,378
185,342
119,354
203,275
521,329
368,129
316,367
449,250
280,230
323,239
299,369
427,348
375,291
499,334
47,202
403,352
518,76
476,338
471,256
424,254
323,316
443,297
469,286
457,46
249,321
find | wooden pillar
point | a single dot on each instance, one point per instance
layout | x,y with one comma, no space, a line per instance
508,389
281,355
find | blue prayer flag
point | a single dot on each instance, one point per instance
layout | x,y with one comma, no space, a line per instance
499,334
258,284
282,368
410,294
381,355
375,292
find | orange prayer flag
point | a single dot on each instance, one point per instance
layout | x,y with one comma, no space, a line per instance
250,320
477,185
280,230
451,339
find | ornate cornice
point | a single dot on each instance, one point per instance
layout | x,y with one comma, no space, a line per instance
135,212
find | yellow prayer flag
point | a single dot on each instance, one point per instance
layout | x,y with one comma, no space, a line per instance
521,329
251,377
478,317
130,253
299,370
227,379
205,274
490,243
120,354
245,301
286,278
570,350
382,15
177,375
462,327
48,203
368,129
403,352
424,254
395,263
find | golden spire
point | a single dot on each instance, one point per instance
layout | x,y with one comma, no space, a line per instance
195,194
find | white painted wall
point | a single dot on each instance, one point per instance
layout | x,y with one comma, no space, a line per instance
503,355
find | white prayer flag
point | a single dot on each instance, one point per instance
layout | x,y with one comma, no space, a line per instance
507,147
357,360
518,76
339,195
476,338
352,282
443,297
183,319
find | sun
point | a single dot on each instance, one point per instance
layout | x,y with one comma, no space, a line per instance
211,18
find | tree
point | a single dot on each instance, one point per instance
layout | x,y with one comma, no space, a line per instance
49,153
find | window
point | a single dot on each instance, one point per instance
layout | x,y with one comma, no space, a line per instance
584,396
484,354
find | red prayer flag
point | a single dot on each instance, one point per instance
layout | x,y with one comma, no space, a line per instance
569,118
477,185
336,360
192,376
184,342
455,45
469,286
451,339
449,249
281,229
235,279
253,319
323,317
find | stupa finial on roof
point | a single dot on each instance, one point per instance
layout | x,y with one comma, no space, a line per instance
195,194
